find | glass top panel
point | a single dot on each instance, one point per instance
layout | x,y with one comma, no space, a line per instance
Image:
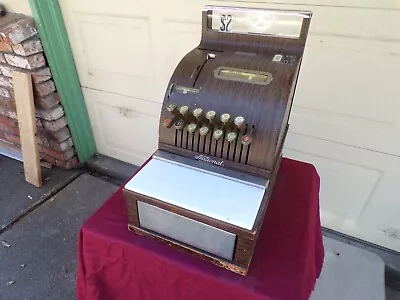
279,23
220,197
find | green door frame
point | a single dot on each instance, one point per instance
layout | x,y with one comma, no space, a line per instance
53,34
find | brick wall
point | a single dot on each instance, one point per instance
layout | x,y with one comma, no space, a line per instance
21,49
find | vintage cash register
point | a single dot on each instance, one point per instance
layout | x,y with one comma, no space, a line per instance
223,124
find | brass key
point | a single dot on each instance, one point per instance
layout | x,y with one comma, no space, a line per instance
240,124
218,134
204,130
231,136
192,127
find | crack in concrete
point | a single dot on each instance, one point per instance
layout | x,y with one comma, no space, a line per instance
44,198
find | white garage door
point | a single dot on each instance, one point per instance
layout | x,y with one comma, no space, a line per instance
346,115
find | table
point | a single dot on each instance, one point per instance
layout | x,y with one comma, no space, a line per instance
114,263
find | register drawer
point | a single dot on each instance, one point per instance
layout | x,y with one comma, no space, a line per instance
199,235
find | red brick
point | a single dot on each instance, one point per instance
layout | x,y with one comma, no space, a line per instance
50,114
19,30
13,138
8,121
70,164
61,147
5,47
6,70
42,135
2,135
9,129
41,140
29,47
55,125
6,82
48,101
9,103
7,111
30,62
38,76
41,75
56,136
39,123
47,158
5,94
9,17
62,156
44,89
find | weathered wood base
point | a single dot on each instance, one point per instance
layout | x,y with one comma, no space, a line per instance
245,242
187,249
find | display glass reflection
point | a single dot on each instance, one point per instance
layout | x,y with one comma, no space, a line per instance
253,21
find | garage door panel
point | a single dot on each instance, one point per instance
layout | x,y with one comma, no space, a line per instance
110,47
357,23
318,5
362,231
357,187
333,72
346,95
349,130
107,48
184,33
332,3
125,127
353,184
345,92
384,214
120,7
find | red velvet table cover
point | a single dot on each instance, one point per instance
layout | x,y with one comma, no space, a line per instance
114,263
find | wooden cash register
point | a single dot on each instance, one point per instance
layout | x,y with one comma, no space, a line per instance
223,124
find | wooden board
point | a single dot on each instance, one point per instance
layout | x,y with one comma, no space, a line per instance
27,127
192,251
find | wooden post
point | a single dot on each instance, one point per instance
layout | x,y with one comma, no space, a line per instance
27,127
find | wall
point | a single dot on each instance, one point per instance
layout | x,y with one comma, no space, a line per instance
18,6
21,50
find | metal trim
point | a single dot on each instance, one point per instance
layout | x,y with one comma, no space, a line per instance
211,169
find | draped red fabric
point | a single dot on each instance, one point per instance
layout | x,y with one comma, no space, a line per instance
114,263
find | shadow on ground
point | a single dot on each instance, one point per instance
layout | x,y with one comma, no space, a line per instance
18,197
38,253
